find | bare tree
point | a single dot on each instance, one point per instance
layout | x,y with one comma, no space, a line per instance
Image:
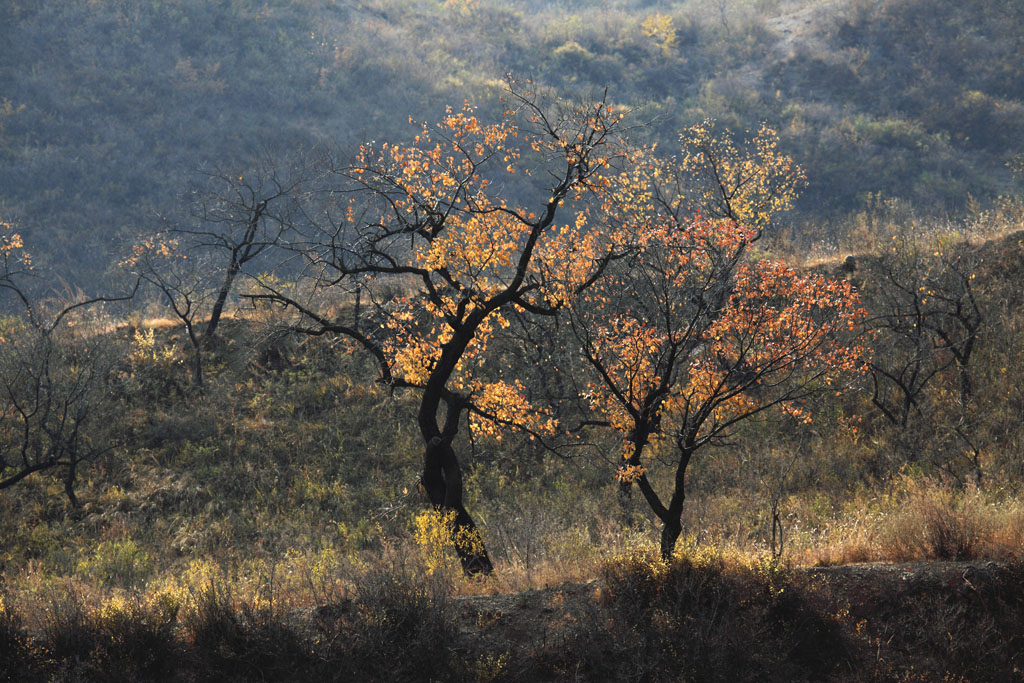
240,219
54,374
243,216
184,283
927,319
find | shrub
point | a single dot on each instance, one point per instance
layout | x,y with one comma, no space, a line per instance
437,538
124,639
401,627
934,521
118,564
239,640
17,663
710,616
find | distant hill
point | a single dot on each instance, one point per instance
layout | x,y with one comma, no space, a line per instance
111,110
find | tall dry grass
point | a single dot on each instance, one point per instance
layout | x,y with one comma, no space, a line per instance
920,519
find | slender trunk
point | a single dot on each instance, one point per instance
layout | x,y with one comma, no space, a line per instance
69,482
636,439
197,370
355,309
197,354
966,388
240,255
218,305
673,514
778,540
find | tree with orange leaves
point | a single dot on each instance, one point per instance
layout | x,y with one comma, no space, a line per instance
687,337
428,236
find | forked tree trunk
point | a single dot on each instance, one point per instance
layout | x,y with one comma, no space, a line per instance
442,481
442,474
672,516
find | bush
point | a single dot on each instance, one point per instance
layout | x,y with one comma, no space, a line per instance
16,663
934,521
709,617
118,564
400,627
239,640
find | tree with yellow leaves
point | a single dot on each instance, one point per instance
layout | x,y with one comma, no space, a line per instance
660,28
427,235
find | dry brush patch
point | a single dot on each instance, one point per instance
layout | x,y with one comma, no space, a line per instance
919,519
708,614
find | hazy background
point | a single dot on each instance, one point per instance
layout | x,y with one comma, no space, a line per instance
111,110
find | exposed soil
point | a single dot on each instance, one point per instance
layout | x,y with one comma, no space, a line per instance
800,24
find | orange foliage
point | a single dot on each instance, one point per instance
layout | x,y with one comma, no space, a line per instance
12,254
476,256
685,336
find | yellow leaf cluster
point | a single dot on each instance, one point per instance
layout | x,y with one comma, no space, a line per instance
749,186
660,28
12,253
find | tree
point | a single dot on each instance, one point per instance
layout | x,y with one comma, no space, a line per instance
241,219
184,284
53,379
927,320
686,337
432,234
658,27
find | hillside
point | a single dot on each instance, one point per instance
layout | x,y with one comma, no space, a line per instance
697,621
690,350
273,522
112,112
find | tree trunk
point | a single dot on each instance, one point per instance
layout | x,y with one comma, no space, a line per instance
356,307
69,482
625,492
672,517
442,481
669,535
197,354
218,305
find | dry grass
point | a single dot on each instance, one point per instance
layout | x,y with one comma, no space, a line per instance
921,519
161,324
281,492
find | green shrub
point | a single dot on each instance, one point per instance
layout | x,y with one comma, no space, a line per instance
117,564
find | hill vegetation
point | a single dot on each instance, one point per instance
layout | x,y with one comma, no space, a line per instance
289,485
338,313
111,112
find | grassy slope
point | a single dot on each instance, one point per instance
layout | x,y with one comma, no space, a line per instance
294,450
271,529
704,617
294,477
